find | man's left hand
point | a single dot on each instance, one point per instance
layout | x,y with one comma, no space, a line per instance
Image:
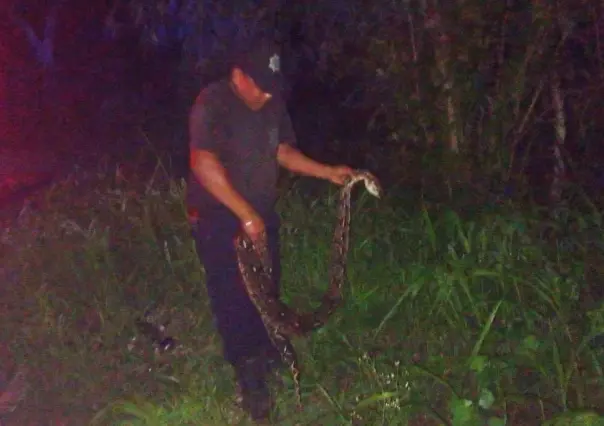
338,174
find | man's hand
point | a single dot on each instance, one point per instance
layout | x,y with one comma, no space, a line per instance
338,174
253,225
295,161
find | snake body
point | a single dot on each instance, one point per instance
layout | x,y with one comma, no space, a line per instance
280,321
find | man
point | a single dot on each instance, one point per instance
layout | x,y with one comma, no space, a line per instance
240,132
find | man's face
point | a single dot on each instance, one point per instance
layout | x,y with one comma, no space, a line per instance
248,90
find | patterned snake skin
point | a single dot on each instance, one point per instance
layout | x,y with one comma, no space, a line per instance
281,321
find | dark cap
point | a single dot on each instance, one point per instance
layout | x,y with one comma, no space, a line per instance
261,60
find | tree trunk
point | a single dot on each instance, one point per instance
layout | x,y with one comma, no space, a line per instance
559,172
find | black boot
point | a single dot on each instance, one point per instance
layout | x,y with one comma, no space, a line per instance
253,394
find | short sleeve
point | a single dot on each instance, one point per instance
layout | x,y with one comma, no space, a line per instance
201,127
286,129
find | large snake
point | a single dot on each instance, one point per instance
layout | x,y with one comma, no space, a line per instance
280,321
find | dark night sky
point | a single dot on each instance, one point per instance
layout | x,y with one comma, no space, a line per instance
79,22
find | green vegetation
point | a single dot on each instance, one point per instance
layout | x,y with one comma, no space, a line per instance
462,308
453,315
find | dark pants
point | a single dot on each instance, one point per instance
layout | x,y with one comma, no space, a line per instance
236,318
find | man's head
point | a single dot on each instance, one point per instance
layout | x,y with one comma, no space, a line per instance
256,73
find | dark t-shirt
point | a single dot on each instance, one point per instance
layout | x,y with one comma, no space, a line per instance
245,142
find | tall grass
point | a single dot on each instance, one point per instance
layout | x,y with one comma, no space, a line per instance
449,316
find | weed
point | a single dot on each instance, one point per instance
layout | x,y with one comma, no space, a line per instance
450,317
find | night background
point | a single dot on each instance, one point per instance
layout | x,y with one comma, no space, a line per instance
478,278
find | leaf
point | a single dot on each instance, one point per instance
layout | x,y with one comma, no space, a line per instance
486,399
496,421
486,329
528,347
485,273
375,398
530,343
464,413
478,363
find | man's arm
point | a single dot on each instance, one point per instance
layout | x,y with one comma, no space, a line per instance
206,166
210,173
293,160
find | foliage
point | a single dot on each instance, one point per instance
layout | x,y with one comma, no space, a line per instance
463,307
452,315
477,78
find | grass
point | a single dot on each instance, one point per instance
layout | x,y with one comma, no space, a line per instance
452,315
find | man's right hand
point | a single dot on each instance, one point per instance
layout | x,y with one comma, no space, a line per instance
253,225
211,174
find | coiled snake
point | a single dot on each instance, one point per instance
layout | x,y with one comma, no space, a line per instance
280,320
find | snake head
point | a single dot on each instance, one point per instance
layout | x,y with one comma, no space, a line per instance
372,183
374,187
